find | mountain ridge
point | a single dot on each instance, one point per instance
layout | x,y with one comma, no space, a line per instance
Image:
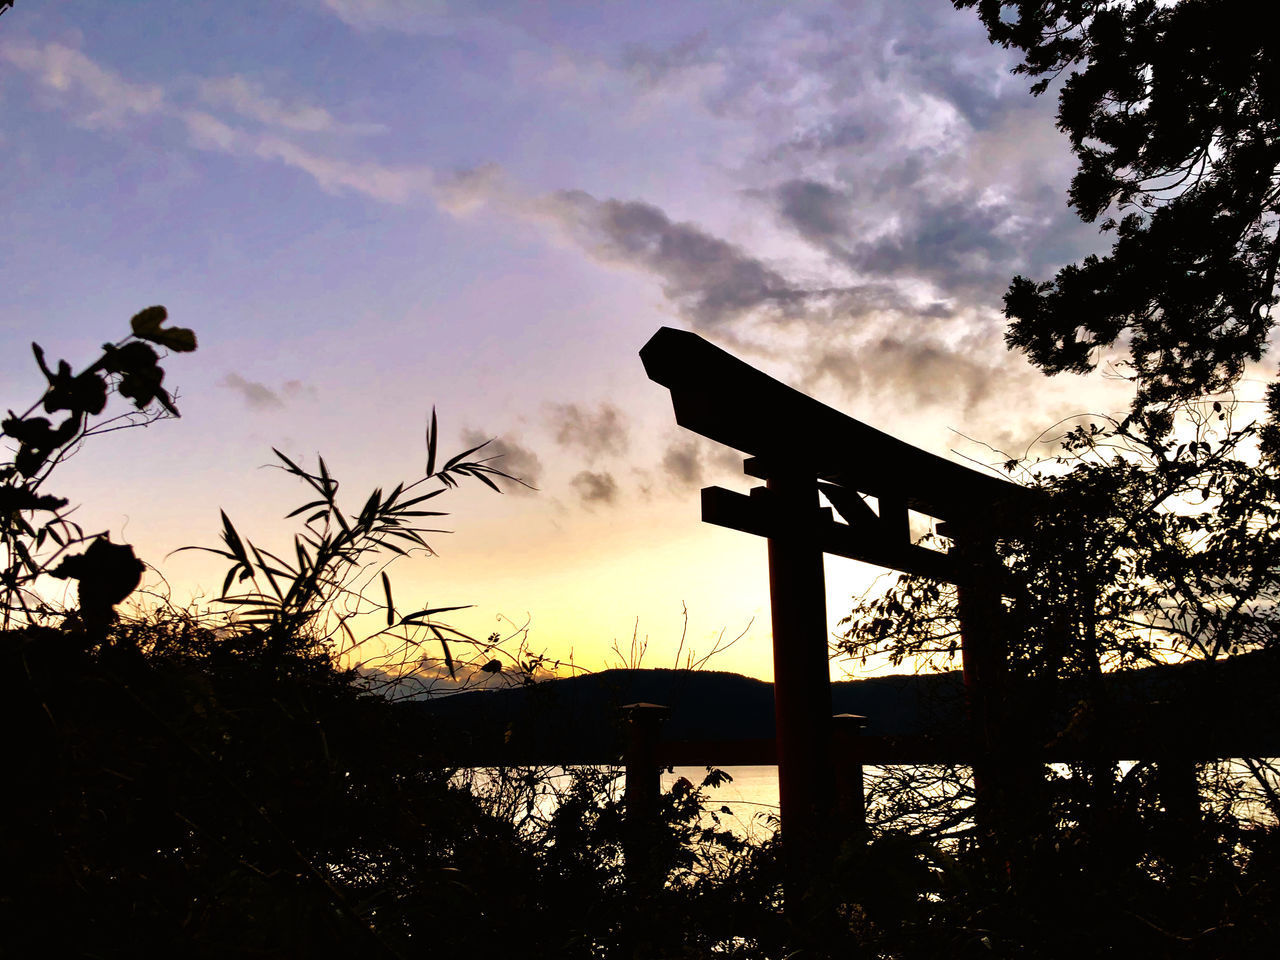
582,712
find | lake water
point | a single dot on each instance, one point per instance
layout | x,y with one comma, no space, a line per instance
752,797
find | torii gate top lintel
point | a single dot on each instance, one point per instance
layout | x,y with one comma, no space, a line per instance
727,400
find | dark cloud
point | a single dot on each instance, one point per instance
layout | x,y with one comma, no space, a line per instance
709,280
916,372
593,487
690,462
964,242
510,456
257,395
713,283
681,463
816,211
598,432
261,397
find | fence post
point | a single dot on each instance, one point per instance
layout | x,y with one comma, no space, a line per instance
643,784
851,797
1179,790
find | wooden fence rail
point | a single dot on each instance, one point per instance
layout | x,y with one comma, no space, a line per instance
1176,747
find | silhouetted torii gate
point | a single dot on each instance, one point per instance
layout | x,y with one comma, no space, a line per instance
801,448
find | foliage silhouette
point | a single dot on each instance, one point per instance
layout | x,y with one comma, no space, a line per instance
1146,552
35,530
217,784
1159,540
311,599
1173,114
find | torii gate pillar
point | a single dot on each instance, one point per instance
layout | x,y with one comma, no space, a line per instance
802,680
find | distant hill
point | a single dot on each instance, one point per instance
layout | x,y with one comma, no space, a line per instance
704,705
581,713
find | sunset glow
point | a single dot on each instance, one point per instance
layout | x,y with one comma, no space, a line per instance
370,208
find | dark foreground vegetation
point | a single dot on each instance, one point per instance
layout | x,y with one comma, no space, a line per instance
225,784
207,785
221,785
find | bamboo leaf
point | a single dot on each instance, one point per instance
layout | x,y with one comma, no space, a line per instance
419,499
391,607
251,600
306,506
448,657
431,444
268,570
465,453
231,575
417,617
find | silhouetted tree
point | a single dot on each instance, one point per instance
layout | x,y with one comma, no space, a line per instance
1173,110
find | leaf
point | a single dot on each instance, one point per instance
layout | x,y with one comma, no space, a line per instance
306,506
419,615
39,352
251,600
148,321
269,571
448,656
425,496
232,539
231,575
431,444
486,481
465,453
391,607
147,325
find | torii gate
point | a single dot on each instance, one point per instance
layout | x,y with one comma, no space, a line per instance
800,448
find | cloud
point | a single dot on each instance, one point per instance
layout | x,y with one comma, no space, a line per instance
334,174
511,457
680,463
257,395
715,285
261,397
965,240
463,191
911,157
375,180
689,462
406,16
710,280
599,432
296,388
917,371
652,65
102,97
248,99
594,487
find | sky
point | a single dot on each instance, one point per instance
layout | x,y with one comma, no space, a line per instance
369,208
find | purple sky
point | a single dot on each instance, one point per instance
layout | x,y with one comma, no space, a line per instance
369,207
